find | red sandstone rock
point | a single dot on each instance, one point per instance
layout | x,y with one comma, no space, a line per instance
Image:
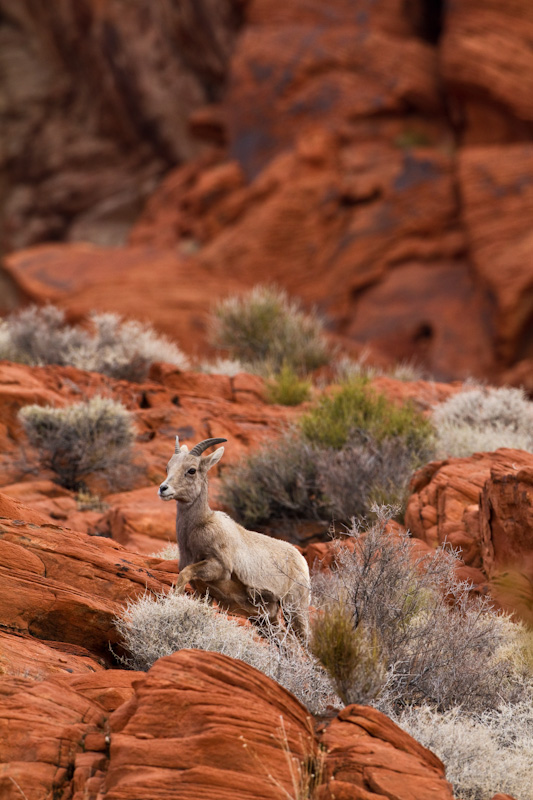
46,724
197,725
487,63
66,587
25,656
368,757
192,405
481,505
501,243
110,89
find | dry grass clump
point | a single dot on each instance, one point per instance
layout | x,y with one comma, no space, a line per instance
152,627
122,349
482,419
346,369
419,626
222,366
483,754
265,329
87,437
353,449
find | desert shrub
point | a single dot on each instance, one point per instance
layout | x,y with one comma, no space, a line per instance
430,633
287,389
357,409
353,449
169,552
483,754
122,349
363,474
483,419
350,657
347,369
87,437
155,626
266,329
279,480
222,366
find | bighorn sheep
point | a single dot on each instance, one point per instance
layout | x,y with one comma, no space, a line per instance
245,571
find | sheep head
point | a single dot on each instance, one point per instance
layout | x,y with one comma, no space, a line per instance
187,471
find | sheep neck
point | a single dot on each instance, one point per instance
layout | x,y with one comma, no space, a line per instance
192,515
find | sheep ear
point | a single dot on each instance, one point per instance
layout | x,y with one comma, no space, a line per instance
184,448
214,458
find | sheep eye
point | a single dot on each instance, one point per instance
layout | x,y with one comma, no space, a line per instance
191,471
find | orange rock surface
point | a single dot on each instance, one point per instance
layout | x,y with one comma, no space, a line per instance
374,161
482,506
227,731
60,586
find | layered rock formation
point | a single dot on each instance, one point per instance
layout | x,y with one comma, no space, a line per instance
482,506
376,162
95,106
227,731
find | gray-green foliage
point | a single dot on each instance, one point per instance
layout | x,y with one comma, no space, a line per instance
76,440
354,448
424,630
483,419
265,329
156,626
484,754
113,346
275,481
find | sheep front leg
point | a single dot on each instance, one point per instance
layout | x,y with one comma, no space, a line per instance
208,571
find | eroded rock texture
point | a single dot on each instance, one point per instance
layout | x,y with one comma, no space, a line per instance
198,726
373,158
95,105
483,506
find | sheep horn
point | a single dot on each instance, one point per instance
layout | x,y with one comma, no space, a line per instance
177,448
199,448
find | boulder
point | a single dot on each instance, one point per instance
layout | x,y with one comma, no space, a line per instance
500,244
482,506
486,65
61,586
198,725
368,757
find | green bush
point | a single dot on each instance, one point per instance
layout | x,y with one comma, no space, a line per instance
354,449
351,657
88,437
122,349
265,330
356,409
287,389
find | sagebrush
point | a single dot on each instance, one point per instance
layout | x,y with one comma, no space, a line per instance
122,349
483,419
422,624
80,439
155,626
265,329
286,388
484,754
353,449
